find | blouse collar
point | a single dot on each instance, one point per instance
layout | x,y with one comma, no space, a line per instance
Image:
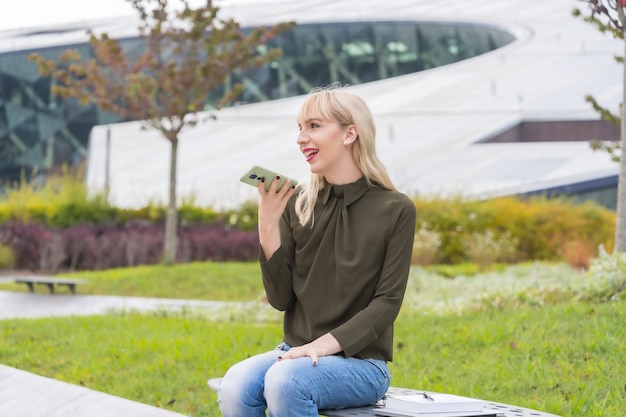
349,192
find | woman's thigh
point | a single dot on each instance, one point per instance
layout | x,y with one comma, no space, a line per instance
336,381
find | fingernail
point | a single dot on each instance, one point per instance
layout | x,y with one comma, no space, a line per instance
277,177
262,179
315,363
293,187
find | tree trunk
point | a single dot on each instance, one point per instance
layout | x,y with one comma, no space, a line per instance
171,221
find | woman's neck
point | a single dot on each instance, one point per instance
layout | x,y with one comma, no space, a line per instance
345,175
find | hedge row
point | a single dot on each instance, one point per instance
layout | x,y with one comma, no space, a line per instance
449,231
62,200
87,247
536,229
96,212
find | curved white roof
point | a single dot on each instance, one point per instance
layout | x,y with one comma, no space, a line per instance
429,123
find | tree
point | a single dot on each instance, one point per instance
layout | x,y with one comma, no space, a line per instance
189,53
610,16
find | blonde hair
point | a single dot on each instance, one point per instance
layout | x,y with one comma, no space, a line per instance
336,104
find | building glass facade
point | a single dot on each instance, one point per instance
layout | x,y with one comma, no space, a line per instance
39,131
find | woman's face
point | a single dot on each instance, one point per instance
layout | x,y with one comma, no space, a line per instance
324,144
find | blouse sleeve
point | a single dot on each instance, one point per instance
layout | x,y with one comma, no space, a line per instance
277,271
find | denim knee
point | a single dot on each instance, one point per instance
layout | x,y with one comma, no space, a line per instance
285,392
241,391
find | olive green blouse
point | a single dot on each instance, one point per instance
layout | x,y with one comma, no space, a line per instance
347,274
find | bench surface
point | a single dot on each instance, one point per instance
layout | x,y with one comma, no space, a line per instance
50,282
503,409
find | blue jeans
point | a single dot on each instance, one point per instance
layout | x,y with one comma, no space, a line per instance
296,388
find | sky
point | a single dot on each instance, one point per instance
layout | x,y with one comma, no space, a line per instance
33,13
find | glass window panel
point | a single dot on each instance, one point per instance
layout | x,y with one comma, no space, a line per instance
439,44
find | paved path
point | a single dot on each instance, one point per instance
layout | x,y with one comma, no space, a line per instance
23,394
27,305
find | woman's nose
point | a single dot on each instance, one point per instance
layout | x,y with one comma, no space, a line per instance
301,138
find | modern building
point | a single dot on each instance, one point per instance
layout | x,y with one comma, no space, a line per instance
480,99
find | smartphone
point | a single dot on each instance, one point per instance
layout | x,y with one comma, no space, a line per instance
254,175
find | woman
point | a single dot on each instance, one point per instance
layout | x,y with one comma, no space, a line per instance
335,256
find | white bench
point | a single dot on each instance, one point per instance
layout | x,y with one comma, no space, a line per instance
50,282
500,409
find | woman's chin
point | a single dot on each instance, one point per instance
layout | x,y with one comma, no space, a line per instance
314,169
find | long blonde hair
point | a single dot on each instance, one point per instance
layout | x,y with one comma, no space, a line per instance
336,104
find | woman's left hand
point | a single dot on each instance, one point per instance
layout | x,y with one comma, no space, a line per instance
322,346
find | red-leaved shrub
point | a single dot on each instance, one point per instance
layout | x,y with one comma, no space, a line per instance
90,247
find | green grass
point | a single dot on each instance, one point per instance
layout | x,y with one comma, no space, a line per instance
518,337
158,360
567,359
227,281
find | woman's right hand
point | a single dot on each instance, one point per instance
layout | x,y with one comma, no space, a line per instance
271,207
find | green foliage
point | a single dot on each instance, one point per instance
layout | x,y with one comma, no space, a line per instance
449,231
426,245
245,217
607,277
463,288
7,257
510,229
605,17
192,214
485,248
455,270
61,200
612,148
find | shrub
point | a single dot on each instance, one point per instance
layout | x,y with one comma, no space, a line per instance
536,229
7,257
217,243
486,248
606,277
425,246
449,231
553,224
25,241
579,253
89,247
245,217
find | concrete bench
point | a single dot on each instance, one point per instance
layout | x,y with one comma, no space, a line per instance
504,410
50,282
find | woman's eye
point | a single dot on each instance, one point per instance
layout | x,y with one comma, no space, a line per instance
314,125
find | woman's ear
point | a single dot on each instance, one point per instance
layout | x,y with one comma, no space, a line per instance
351,134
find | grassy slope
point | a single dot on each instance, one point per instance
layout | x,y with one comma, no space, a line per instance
546,353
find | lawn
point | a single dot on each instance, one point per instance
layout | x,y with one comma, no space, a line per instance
198,280
521,336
